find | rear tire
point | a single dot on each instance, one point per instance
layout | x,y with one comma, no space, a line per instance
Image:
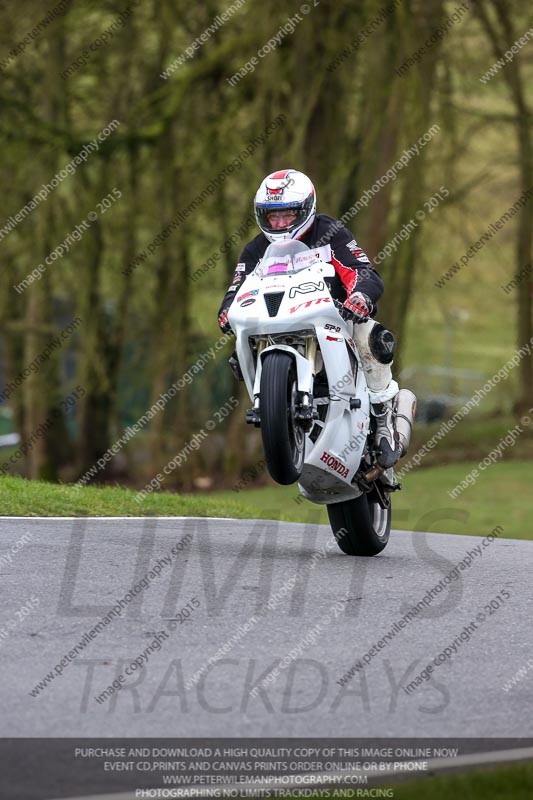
361,527
283,440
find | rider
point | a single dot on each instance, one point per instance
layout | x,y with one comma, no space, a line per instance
285,208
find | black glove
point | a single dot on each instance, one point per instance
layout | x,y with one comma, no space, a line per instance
223,323
357,307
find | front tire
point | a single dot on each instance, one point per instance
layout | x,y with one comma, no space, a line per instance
283,440
361,527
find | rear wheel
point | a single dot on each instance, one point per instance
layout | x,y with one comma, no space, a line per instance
361,526
283,440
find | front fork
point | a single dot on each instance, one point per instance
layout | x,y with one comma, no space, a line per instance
310,351
253,416
305,413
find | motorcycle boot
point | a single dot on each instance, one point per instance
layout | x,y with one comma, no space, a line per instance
375,345
386,439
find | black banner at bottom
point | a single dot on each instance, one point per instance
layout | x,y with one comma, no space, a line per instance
53,769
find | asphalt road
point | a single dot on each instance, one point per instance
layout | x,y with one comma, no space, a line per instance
332,608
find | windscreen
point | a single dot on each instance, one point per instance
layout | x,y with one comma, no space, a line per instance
282,258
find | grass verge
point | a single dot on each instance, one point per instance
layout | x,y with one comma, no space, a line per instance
21,497
501,496
502,783
513,782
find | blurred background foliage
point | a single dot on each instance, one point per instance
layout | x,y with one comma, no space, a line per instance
347,117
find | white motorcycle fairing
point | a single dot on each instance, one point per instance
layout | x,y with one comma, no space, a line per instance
292,310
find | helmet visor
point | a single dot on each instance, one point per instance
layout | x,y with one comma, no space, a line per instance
266,213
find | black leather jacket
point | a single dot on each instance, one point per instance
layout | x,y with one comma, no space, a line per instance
353,271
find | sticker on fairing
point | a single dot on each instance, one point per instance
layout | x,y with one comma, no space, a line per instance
306,288
323,253
334,464
309,303
251,293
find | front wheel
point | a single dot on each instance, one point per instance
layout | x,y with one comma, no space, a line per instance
361,527
283,439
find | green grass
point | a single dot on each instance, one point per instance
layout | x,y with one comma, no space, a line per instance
503,783
472,439
21,497
501,496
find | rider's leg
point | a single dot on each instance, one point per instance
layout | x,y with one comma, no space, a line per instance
375,345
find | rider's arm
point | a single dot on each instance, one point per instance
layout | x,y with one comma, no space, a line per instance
353,266
247,262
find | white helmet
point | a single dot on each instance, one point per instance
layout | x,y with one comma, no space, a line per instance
286,190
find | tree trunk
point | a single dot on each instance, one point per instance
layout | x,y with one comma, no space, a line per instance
502,37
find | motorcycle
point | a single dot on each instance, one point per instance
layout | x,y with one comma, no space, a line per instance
309,394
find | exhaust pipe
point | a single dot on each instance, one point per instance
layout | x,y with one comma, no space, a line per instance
405,407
